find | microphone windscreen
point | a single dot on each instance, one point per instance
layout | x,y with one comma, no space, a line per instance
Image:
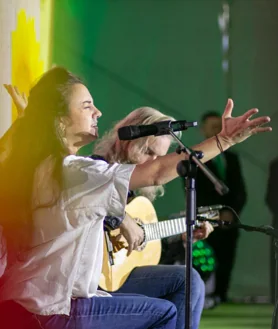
133,132
127,133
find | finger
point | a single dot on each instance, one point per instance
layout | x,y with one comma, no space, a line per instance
260,130
13,93
258,122
210,228
129,250
247,115
8,88
201,236
228,109
136,244
116,248
118,237
16,90
24,97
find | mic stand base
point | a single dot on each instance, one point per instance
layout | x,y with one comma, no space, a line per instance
269,230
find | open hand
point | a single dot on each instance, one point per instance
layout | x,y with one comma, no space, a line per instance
19,99
237,129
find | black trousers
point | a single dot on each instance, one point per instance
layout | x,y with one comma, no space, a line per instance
224,243
272,271
273,262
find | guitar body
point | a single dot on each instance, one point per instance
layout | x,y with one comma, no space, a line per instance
113,277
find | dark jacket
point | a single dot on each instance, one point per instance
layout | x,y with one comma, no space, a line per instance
235,198
272,189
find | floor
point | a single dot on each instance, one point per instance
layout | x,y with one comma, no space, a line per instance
239,316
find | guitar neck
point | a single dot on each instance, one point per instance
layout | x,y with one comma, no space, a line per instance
164,229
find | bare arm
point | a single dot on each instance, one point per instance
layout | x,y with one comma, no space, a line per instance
234,130
164,169
20,99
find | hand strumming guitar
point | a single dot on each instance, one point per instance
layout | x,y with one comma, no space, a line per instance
132,232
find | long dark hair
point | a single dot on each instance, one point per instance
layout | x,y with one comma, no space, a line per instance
32,139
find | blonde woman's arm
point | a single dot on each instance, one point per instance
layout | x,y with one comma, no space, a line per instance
234,130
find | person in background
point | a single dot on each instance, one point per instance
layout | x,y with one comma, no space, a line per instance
226,166
271,199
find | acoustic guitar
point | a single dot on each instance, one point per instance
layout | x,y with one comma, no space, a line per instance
142,210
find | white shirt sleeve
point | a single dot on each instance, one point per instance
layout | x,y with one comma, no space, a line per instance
97,185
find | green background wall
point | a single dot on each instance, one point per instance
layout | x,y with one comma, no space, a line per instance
167,54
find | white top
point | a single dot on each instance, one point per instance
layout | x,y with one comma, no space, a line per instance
65,260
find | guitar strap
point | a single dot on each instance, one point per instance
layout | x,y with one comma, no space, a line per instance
98,157
131,195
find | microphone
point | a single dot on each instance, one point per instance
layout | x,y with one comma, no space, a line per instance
156,129
202,210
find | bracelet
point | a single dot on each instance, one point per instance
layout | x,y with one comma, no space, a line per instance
219,144
144,232
144,242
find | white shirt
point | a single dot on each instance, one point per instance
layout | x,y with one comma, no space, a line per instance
65,260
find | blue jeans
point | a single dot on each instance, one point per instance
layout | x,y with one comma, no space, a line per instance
122,311
168,282
128,311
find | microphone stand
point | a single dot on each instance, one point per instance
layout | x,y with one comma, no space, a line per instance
268,230
187,170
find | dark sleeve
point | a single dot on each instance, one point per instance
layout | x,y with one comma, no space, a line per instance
238,194
271,191
112,222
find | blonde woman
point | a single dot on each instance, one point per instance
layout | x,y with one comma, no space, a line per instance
160,281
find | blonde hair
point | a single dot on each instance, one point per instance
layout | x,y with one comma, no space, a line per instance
115,150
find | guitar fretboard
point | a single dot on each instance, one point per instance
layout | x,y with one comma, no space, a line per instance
160,230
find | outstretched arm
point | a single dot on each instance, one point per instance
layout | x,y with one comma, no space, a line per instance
234,130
